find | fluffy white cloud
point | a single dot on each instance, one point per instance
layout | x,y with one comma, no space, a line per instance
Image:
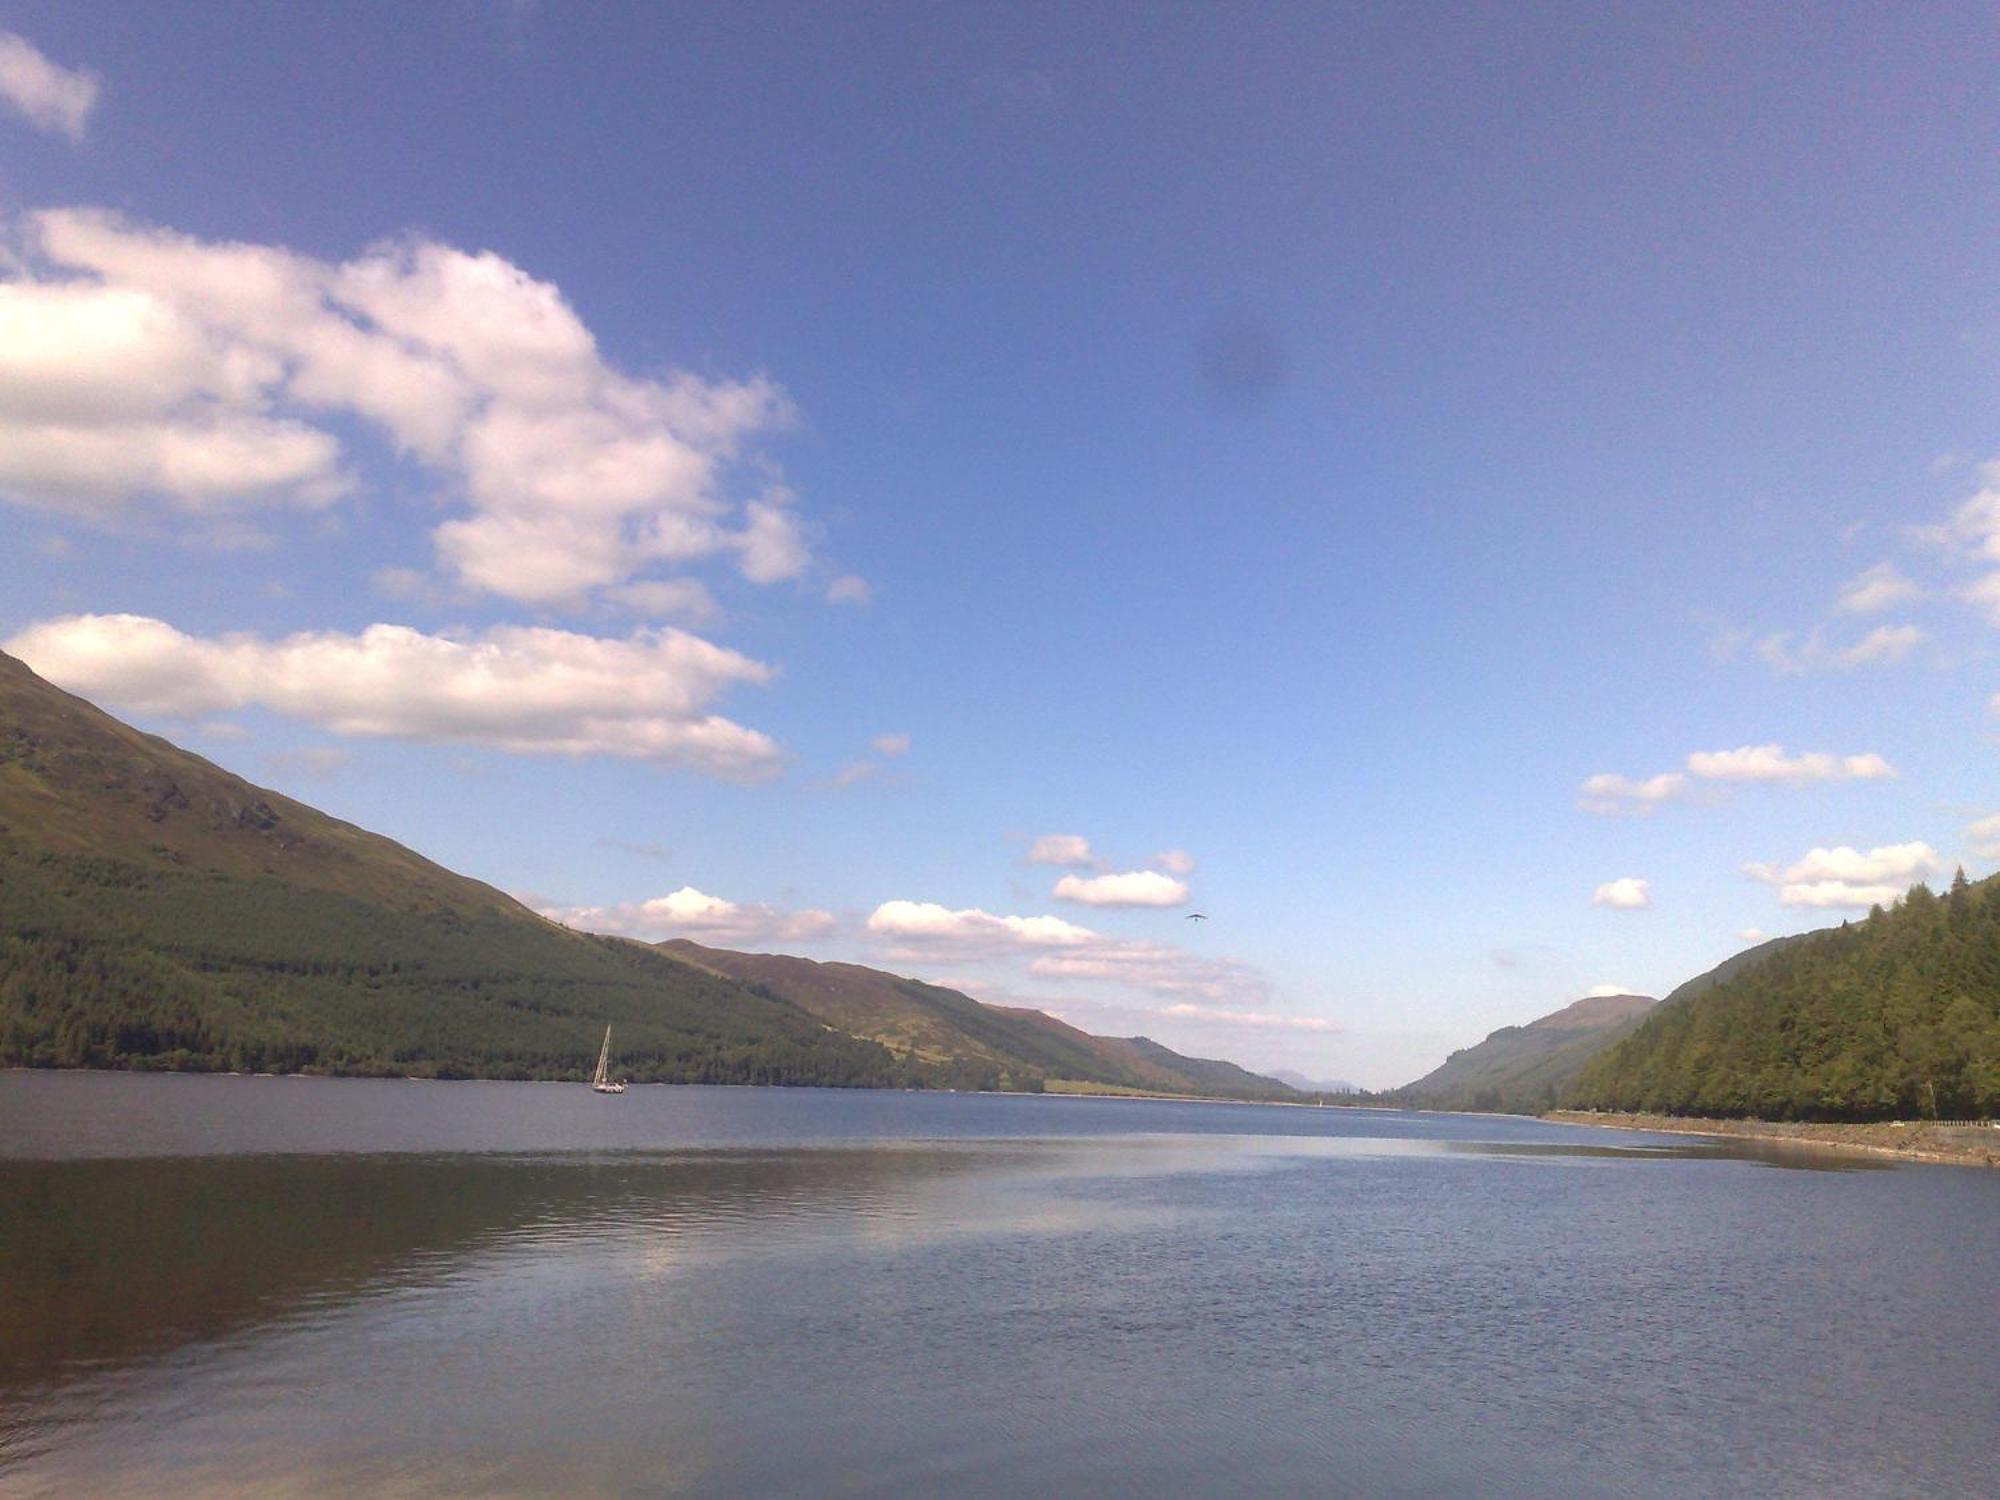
1056,949
1846,877
138,365
1628,893
1175,861
690,913
1771,763
1600,991
1126,888
1882,646
47,95
970,928
1878,588
533,691
1061,849
1612,793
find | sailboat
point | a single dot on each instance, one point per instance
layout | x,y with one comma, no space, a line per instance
601,1080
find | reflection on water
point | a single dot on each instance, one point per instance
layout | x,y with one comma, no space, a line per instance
921,1294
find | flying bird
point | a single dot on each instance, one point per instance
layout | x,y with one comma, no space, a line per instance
1197,916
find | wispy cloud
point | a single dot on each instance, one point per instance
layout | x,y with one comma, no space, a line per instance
47,95
690,913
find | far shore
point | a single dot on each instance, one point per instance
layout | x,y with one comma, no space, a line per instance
1911,1140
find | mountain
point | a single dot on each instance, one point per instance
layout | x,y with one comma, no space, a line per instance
947,1030
1896,1016
1527,1069
1307,1085
158,912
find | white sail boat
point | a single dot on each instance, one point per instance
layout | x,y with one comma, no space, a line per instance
601,1080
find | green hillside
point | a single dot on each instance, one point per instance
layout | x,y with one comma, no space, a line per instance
990,1045
158,912
1894,1017
1528,1069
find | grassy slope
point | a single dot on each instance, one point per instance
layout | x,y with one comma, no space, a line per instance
156,910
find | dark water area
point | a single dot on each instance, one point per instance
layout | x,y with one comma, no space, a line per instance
232,1286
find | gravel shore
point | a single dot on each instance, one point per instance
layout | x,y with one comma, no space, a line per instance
1970,1145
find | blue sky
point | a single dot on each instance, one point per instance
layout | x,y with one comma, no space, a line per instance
753,472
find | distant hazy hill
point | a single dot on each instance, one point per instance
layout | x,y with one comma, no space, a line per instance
1527,1069
1897,1016
1307,1085
946,1029
157,911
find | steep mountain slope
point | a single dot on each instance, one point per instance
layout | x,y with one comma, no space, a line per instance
1014,1047
157,911
1527,1069
1897,1016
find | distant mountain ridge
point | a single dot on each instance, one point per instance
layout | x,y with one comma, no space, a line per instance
159,912
1528,1069
944,1027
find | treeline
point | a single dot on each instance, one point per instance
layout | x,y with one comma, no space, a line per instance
1894,1017
114,964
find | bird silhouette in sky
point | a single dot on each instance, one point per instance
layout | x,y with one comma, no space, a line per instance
1197,916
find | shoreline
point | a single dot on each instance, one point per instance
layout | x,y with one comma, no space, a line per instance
1962,1146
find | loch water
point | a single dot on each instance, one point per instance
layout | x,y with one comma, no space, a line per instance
289,1286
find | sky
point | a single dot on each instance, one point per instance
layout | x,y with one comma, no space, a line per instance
1482,503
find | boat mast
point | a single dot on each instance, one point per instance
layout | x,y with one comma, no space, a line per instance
603,1060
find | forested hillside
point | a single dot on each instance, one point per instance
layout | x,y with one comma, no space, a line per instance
159,912
1894,1017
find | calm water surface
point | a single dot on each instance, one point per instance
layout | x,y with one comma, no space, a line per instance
224,1286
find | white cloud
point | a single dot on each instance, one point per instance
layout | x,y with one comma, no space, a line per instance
927,922
1882,646
1061,849
1629,893
690,913
1126,888
1057,949
531,691
1845,877
891,745
1175,861
47,95
1982,836
172,371
1878,588
1751,936
1612,793
1770,763
1600,991
848,589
